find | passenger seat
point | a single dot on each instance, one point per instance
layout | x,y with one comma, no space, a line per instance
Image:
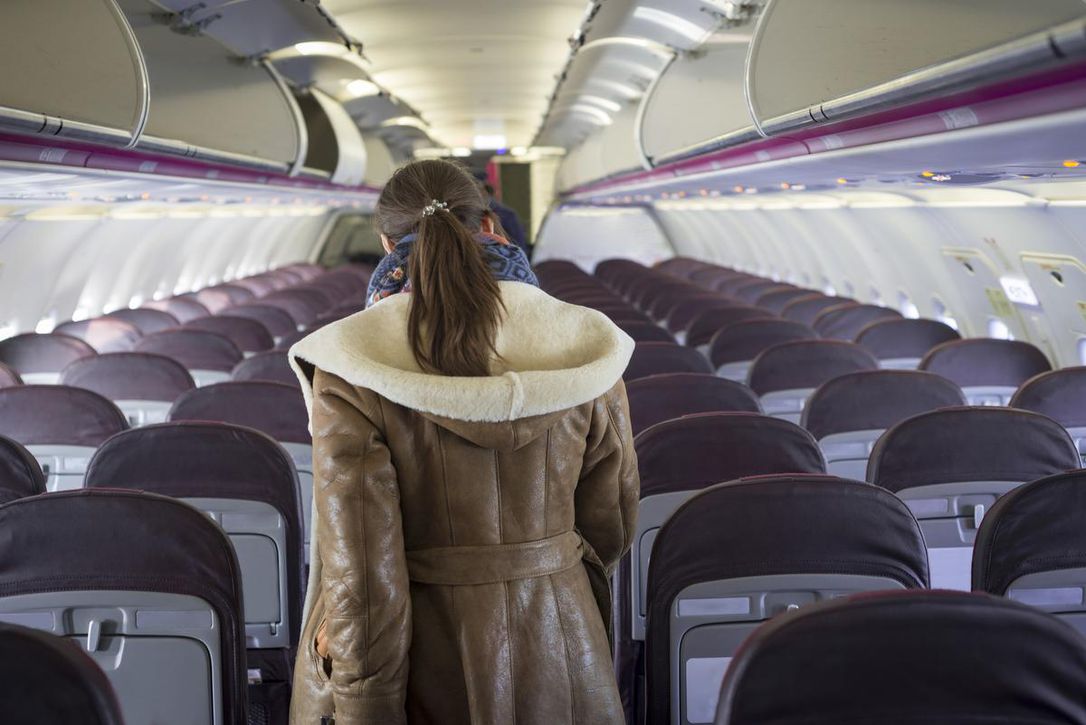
988,371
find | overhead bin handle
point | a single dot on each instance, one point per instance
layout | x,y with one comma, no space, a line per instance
143,77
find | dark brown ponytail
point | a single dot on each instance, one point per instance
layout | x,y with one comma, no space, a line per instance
455,302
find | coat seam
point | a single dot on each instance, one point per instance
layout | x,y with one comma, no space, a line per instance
546,483
445,486
509,639
627,535
565,644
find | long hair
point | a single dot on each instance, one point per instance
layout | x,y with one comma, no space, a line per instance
455,303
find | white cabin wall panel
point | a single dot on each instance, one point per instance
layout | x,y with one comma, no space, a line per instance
587,236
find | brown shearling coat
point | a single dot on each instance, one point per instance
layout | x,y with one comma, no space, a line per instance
461,565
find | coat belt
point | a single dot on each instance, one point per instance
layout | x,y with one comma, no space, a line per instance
494,563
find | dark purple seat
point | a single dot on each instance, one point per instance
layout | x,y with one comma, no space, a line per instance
303,306
749,292
326,294
876,399
1059,394
902,343
130,376
214,299
988,371
807,309
762,539
259,284
46,678
305,270
197,350
734,347
145,319
104,334
276,409
909,658
9,377
113,547
707,323
663,397
238,294
20,474
40,358
846,321
951,465
184,309
288,341
681,315
247,334
785,374
276,320
270,366
775,300
646,332
58,415
654,358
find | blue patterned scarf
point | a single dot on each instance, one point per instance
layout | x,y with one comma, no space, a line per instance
507,261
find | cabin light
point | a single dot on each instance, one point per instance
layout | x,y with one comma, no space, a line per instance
360,88
1072,164
1019,290
409,121
518,151
927,174
461,151
319,47
605,103
842,180
489,141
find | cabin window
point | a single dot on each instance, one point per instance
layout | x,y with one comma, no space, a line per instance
828,288
876,296
1081,350
998,329
850,289
907,307
943,314
352,239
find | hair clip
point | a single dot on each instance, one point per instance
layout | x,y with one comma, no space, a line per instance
433,206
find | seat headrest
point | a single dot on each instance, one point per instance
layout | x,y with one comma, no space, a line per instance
846,322
195,349
276,409
274,319
746,340
248,334
663,397
985,361
807,364
806,309
876,399
128,541
9,377
706,323
1040,526
46,678
145,319
272,366
183,308
775,300
776,525
20,474
1059,394
700,450
908,658
36,353
58,415
897,338
129,376
953,445
104,334
654,358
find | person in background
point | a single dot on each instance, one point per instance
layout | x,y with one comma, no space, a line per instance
510,222
475,483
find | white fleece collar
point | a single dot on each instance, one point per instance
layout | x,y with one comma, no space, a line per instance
555,356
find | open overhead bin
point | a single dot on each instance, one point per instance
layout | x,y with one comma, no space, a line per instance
336,146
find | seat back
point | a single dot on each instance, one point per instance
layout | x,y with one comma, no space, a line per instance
848,414
733,348
654,358
145,319
20,474
1031,547
214,299
690,306
679,457
146,585
646,332
1061,395
61,426
40,358
775,299
988,371
8,377
900,344
247,334
909,658
303,306
673,395
277,321
846,321
951,465
45,678
183,309
270,366
786,374
275,409
245,482
104,334
208,356
142,385
806,309
707,323
739,553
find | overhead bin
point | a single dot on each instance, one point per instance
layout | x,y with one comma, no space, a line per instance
72,69
807,53
335,144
